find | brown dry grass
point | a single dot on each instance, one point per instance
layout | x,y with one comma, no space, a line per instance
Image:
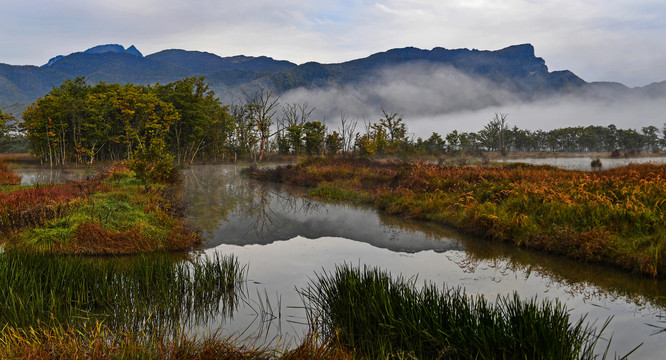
614,216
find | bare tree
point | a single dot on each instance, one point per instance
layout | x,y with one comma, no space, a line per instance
347,131
263,104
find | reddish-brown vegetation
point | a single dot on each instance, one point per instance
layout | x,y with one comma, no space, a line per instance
32,207
614,216
7,177
101,215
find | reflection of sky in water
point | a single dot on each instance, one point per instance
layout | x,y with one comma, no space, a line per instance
280,267
268,226
324,220
583,163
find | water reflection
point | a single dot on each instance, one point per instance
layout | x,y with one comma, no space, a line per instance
232,209
32,176
286,238
583,162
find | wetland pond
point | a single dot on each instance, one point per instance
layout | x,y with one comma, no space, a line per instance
285,239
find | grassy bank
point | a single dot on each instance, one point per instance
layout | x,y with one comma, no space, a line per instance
97,341
375,316
110,213
614,216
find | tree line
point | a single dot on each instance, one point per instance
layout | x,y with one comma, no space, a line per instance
81,123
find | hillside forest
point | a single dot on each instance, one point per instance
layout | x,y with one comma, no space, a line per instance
81,123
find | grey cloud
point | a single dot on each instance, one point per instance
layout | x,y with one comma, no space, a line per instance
614,40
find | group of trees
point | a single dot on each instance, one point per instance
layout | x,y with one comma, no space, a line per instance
497,136
77,122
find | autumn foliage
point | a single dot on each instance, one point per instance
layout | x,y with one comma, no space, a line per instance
614,216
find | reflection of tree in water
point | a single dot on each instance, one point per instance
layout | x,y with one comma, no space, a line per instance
216,193
211,194
258,208
266,201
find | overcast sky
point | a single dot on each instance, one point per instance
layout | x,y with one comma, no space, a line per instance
599,40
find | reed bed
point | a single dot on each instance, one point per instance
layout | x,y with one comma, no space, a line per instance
146,292
614,216
373,315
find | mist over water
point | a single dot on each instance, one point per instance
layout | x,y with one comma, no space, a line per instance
550,114
438,98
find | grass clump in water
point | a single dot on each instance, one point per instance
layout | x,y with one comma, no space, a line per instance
375,316
157,291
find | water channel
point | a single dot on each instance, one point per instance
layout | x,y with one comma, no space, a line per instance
286,238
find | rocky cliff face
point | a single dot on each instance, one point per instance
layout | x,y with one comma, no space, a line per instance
101,49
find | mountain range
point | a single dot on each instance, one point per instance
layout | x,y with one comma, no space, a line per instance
515,70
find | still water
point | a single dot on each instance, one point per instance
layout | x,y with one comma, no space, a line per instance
33,176
583,163
286,239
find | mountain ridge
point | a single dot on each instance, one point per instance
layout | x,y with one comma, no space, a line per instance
515,69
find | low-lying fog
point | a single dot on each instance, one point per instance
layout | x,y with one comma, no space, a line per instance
434,98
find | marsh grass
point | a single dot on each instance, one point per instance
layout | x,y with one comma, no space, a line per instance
98,341
6,176
144,292
373,315
111,213
615,216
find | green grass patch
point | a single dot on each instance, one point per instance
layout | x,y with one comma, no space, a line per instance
376,316
336,194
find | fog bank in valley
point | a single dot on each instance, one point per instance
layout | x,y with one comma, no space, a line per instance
568,111
435,98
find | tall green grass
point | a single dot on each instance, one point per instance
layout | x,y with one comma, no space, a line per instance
157,291
376,316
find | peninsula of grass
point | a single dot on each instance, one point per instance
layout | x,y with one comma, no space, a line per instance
614,216
112,213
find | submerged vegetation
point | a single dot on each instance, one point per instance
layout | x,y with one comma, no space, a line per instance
375,316
614,216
